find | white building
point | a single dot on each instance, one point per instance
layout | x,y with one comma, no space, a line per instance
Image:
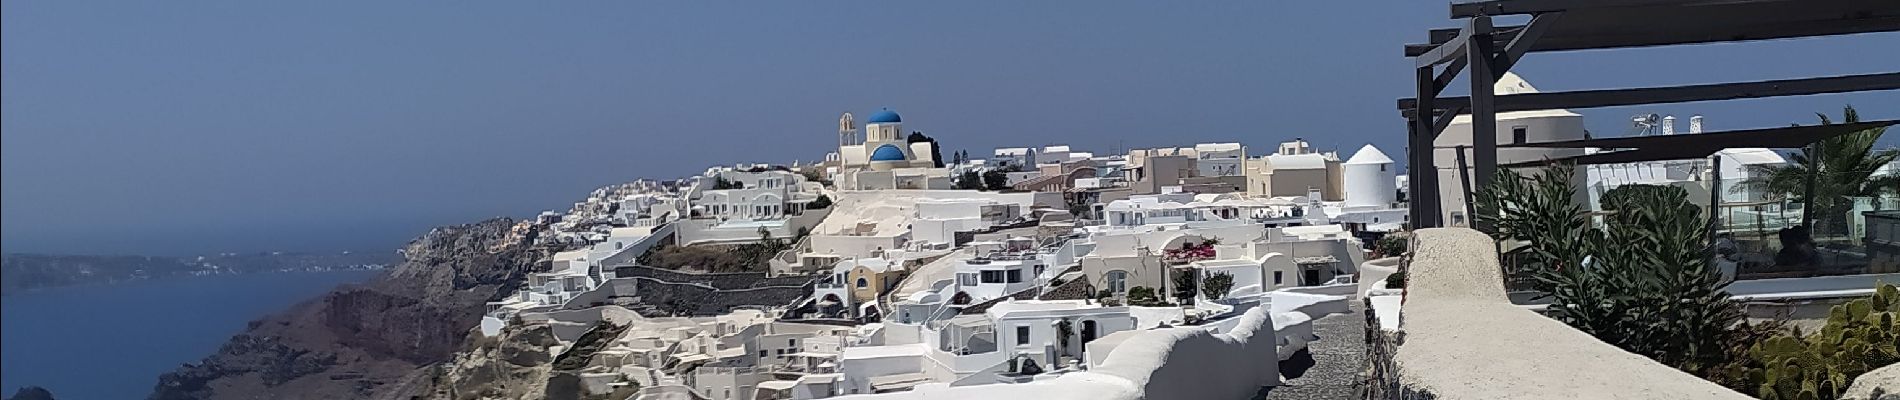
938,220
1220,159
1008,156
1298,168
757,193
975,349
1370,179
882,158
1512,127
1053,154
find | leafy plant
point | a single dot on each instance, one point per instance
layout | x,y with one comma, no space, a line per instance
1540,212
1642,283
969,180
1392,244
1860,336
819,203
1845,168
1217,284
1185,286
998,179
1065,330
1145,297
1395,281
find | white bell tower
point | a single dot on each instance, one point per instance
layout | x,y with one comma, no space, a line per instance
847,131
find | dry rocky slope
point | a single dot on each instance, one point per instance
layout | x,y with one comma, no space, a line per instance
375,340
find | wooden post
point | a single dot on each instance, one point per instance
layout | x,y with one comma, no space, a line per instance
1484,119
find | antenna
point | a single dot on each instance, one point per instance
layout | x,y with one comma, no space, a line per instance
1646,124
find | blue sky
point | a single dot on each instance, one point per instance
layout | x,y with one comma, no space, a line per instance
189,127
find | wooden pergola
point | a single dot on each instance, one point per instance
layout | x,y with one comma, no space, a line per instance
1487,51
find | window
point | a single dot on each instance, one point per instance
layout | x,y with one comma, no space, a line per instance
792,342
1276,277
763,353
862,283
1118,281
1022,335
1519,134
992,276
966,279
1014,275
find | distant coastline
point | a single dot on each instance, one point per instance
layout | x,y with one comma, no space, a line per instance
26,272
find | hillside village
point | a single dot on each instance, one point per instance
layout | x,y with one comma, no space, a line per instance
884,269
887,270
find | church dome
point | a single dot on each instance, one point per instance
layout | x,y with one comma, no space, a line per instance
885,116
888,152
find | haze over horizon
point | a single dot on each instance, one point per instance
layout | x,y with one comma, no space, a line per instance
189,128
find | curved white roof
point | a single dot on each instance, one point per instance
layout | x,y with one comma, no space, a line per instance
1369,155
1510,83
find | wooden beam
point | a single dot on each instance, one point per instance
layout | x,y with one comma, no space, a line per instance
1515,7
1484,121
1451,73
1440,54
1694,22
1677,94
1522,41
1444,120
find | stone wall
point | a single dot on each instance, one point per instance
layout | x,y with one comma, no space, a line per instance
659,291
722,281
701,300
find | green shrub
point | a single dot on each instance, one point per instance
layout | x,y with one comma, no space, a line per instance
1186,286
1395,281
1646,263
1860,336
1392,244
1145,297
1217,284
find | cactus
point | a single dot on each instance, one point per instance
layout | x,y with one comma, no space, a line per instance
1860,336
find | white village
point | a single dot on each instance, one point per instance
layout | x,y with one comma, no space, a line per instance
891,271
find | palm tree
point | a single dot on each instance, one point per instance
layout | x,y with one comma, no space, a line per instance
1846,165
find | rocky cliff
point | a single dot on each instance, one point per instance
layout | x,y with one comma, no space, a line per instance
369,340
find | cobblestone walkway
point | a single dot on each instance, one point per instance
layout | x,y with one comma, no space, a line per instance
1331,366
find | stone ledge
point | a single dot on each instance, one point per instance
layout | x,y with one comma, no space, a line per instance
1464,340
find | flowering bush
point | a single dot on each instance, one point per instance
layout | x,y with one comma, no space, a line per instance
1191,252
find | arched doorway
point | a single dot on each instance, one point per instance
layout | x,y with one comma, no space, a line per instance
831,306
870,314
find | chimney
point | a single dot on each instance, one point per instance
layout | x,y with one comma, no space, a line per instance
1695,124
1669,125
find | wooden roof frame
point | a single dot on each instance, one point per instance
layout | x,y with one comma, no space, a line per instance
1485,52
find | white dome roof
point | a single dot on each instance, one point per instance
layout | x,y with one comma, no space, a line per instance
1510,83
1369,155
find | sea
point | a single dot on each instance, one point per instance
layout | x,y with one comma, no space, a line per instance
112,341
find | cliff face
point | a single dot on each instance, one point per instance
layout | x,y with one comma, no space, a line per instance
363,341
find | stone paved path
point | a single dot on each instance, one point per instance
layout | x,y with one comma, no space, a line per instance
1330,369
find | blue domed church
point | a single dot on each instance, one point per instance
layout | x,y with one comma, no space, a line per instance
884,153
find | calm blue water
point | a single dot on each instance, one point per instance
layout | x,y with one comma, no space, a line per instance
111,342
